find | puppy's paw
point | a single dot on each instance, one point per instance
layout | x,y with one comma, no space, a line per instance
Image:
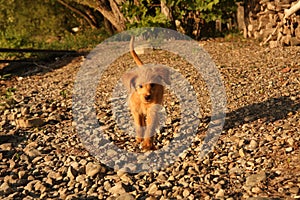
148,145
138,140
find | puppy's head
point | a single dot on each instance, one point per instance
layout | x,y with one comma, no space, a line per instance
147,82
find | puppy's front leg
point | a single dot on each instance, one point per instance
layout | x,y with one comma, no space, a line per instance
140,125
151,125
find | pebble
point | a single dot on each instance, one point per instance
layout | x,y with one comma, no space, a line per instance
71,173
290,141
253,145
186,193
153,189
92,169
32,153
289,149
241,153
107,185
125,196
28,123
117,189
42,156
220,193
5,188
294,190
55,175
256,190
6,147
254,179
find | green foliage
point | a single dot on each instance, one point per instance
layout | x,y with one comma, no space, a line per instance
147,14
44,24
7,98
210,10
23,22
10,92
64,93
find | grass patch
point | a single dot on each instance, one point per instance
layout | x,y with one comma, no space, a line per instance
83,40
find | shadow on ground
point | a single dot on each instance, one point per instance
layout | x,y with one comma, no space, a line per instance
269,111
41,66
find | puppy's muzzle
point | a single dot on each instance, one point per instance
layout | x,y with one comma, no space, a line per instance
147,97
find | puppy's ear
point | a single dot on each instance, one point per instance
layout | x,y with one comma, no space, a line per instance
129,80
164,73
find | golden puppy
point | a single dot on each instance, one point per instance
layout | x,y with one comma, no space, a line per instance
146,87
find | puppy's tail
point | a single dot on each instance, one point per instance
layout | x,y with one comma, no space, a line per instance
133,53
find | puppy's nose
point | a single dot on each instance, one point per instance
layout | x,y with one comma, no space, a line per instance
147,97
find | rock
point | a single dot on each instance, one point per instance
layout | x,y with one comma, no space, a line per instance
186,193
150,198
253,145
256,190
289,149
30,186
153,189
37,159
71,173
39,187
125,196
5,188
55,175
62,193
273,44
92,169
241,152
72,196
111,153
31,150
107,185
33,153
126,179
6,147
12,164
290,141
10,179
80,178
294,190
49,181
286,69
260,198
254,179
29,123
220,193
22,174
117,189
162,176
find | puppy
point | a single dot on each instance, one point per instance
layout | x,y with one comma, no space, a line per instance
146,87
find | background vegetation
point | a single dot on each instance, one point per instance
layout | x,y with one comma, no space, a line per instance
81,24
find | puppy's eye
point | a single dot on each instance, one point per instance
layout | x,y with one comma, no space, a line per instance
140,86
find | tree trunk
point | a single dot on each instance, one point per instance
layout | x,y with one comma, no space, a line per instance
167,11
90,20
108,27
110,10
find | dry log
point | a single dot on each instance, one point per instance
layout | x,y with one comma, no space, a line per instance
292,10
275,22
286,29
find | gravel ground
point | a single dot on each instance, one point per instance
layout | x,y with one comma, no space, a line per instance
257,156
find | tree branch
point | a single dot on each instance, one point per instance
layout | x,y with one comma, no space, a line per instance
75,10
